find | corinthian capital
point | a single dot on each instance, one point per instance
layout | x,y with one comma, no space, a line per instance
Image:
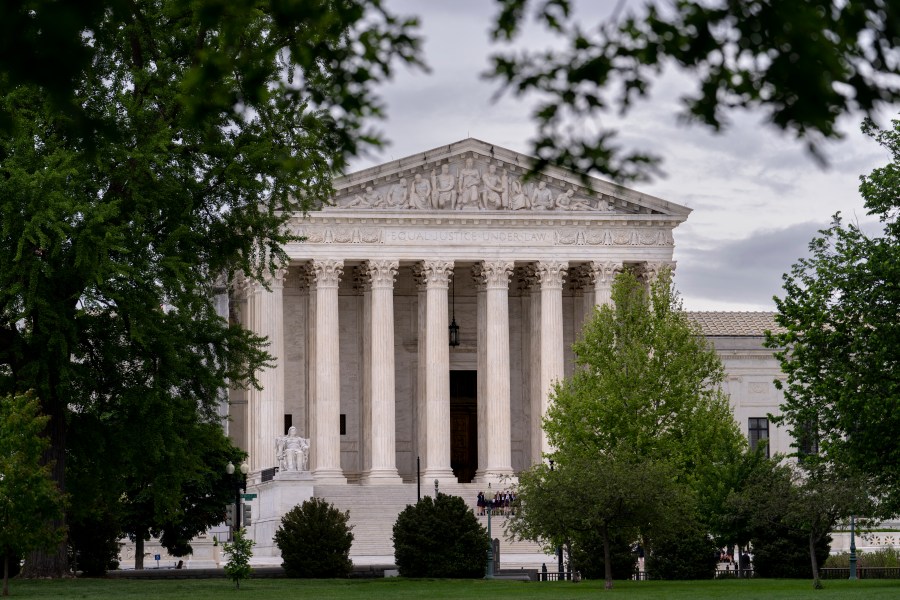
328,272
436,273
382,272
604,272
494,273
551,273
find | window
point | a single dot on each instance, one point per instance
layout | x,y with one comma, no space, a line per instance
808,439
343,424
758,429
288,421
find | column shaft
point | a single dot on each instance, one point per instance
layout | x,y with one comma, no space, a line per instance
269,307
552,361
328,380
437,376
382,437
497,423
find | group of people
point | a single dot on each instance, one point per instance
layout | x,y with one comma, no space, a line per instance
469,188
502,504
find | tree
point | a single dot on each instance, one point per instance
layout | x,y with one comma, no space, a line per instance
315,539
841,339
191,131
607,497
787,502
803,64
440,537
649,385
27,493
239,553
646,399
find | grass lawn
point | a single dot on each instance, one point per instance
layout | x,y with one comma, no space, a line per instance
398,589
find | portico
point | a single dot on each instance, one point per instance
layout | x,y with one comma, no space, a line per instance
358,320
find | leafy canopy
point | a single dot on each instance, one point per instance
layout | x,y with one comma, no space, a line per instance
640,432
182,136
802,63
27,493
648,385
841,339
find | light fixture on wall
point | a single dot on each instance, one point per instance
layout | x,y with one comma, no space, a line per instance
454,328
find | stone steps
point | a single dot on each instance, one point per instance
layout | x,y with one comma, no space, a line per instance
374,509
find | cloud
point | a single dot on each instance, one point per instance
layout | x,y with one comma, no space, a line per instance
744,273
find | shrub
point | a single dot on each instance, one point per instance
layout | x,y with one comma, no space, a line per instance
779,552
587,555
885,557
687,554
315,539
440,538
94,544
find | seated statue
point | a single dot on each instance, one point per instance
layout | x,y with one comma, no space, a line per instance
292,451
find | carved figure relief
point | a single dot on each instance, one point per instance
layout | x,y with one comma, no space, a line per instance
474,183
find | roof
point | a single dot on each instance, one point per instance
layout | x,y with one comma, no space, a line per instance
724,323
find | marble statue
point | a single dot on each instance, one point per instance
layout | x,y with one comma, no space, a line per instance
567,201
541,197
469,179
493,196
443,189
420,193
292,451
398,195
371,199
518,199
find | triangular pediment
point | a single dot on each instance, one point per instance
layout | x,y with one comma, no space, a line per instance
472,175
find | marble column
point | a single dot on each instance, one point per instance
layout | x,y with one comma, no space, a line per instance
531,283
328,378
496,425
269,309
309,275
421,402
437,372
481,366
551,275
381,386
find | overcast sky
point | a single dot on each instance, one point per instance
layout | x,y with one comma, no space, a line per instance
757,195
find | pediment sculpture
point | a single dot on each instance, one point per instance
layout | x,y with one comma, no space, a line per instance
470,185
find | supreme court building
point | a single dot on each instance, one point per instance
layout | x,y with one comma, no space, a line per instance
359,319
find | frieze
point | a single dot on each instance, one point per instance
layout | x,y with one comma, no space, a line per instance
562,237
474,183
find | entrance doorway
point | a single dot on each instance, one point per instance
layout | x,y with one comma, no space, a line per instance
464,424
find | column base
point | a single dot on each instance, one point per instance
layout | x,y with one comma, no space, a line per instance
329,477
381,477
442,475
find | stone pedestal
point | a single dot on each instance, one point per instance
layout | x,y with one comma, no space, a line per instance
274,499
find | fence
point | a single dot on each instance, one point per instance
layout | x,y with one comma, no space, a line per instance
861,573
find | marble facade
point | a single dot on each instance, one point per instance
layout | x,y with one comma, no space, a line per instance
358,319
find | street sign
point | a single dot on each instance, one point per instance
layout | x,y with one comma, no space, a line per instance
249,496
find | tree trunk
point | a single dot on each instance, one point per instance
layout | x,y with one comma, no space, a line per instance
817,585
139,552
607,564
6,573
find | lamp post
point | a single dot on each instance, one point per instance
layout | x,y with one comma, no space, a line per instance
238,486
852,547
559,554
489,500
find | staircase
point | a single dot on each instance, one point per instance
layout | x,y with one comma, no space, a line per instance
374,509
